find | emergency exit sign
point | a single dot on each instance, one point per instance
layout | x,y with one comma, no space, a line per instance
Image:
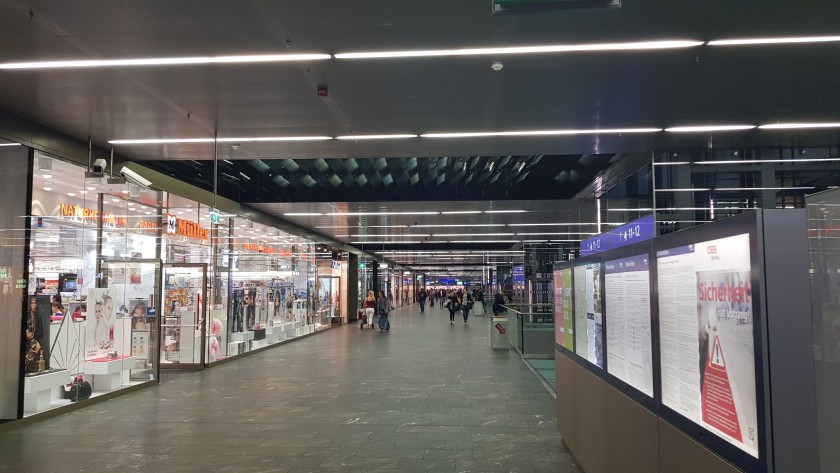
523,6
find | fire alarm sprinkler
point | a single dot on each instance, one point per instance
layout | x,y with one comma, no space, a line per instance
323,91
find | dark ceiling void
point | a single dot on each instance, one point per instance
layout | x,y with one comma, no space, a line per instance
530,177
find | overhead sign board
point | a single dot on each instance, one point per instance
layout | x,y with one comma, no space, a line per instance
638,230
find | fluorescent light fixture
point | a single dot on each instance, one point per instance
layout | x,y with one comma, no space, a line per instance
640,209
566,224
461,212
799,126
460,225
273,138
375,137
9,144
362,214
470,234
763,188
303,214
690,189
160,141
560,233
782,40
484,241
363,226
698,129
386,242
392,236
558,48
672,163
505,211
170,61
758,161
603,131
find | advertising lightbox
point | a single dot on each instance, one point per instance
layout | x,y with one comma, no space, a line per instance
628,321
563,323
706,337
588,314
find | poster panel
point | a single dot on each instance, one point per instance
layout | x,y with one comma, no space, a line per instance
706,337
564,332
627,313
588,314
100,337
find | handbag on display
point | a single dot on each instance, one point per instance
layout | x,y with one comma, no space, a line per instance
78,390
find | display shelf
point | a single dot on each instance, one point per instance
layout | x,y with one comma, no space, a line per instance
107,373
41,389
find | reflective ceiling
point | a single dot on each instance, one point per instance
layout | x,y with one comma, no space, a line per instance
698,85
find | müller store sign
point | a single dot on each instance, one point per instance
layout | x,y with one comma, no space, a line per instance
77,213
187,228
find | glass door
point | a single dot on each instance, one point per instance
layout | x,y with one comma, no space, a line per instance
182,332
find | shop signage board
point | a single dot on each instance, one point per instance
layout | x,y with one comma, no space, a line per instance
642,229
77,213
188,228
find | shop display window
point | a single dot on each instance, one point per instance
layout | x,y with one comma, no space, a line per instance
92,272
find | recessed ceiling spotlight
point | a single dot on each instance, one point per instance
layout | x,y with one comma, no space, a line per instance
71,194
497,66
48,189
235,146
46,176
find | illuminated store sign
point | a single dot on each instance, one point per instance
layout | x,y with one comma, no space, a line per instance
187,228
77,213
265,249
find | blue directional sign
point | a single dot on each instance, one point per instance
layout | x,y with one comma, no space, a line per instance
638,230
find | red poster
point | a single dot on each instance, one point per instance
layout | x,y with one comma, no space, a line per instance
718,405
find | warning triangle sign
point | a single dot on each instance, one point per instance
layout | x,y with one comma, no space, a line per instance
717,355
718,404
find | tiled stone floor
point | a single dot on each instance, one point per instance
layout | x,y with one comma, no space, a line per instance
429,396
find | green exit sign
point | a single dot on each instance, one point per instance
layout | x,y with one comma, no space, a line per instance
524,6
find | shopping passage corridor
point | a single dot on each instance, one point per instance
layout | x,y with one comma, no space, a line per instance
428,396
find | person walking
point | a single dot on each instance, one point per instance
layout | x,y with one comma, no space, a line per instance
453,305
370,309
422,297
466,306
382,308
498,302
431,298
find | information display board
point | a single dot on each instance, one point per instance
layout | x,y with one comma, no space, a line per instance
707,355
564,333
589,341
628,321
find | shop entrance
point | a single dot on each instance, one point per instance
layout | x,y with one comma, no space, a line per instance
183,321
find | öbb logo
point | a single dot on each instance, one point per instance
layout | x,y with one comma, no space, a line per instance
712,250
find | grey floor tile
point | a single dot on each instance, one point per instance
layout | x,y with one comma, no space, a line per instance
426,397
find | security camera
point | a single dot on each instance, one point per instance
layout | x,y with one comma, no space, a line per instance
134,178
99,165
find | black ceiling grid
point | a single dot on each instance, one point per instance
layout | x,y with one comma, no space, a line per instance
531,177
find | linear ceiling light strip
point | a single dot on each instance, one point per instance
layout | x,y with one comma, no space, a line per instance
171,61
557,48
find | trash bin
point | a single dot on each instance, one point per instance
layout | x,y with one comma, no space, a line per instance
498,333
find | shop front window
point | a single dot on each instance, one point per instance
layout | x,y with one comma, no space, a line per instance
91,264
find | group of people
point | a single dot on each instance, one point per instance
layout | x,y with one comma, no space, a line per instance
376,309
